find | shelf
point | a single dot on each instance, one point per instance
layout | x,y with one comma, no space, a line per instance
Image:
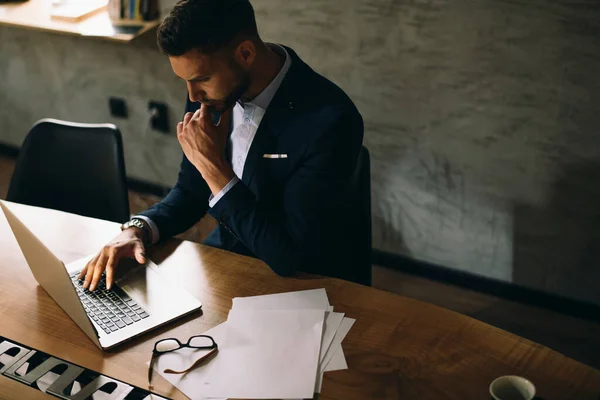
35,14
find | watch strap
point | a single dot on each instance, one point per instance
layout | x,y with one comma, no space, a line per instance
138,223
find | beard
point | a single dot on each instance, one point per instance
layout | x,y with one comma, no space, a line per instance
242,82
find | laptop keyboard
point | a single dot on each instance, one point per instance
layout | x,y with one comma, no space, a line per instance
110,309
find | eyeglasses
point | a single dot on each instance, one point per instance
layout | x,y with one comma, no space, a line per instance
167,345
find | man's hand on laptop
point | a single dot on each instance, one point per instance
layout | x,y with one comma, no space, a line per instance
129,244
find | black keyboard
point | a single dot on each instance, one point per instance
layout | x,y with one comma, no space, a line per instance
111,309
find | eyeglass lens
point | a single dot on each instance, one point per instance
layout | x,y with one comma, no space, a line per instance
167,345
201,341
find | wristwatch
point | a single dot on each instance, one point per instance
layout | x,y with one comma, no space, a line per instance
138,223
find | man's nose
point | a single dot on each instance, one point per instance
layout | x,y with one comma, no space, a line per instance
195,93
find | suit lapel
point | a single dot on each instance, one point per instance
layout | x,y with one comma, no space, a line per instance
280,111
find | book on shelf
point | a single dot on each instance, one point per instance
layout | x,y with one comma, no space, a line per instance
133,10
114,9
137,13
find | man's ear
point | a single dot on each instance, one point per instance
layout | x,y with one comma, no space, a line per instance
245,53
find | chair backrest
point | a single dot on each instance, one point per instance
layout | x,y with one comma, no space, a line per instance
361,187
72,167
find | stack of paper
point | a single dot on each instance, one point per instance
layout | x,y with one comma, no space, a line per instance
274,346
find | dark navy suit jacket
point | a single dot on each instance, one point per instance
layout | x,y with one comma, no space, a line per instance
294,213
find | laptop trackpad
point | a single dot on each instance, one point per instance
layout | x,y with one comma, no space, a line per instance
148,288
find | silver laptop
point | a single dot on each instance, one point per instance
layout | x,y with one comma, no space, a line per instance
139,300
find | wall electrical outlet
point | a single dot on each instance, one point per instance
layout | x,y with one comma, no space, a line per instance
159,116
118,107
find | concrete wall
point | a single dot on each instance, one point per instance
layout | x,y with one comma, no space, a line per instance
481,117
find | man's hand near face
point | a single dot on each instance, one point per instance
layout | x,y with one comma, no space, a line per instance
204,146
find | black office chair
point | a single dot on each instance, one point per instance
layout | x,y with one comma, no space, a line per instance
361,187
72,167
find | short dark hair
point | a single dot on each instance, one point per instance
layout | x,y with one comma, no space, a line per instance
205,25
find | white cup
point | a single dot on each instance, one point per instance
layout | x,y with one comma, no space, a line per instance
512,387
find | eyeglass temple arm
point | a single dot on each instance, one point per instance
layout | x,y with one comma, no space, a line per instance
150,369
195,364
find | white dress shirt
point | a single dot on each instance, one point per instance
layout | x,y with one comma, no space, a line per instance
246,120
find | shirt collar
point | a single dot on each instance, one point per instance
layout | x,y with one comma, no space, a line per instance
264,98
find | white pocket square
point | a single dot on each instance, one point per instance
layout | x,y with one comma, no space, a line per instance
275,156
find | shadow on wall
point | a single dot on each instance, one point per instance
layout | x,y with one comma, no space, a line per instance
386,233
557,245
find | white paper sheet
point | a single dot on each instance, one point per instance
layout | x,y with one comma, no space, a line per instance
192,383
305,299
337,341
315,299
302,300
268,354
332,324
338,361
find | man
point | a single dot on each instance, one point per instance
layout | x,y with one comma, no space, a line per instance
269,149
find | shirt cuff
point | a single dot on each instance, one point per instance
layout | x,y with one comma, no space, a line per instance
154,234
212,200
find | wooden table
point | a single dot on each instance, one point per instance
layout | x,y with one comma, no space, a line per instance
399,348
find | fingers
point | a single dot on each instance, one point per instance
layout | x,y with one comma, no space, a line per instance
89,271
90,264
110,270
187,118
139,254
206,118
180,135
98,270
204,114
197,113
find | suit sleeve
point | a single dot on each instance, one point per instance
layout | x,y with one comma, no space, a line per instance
296,238
185,204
